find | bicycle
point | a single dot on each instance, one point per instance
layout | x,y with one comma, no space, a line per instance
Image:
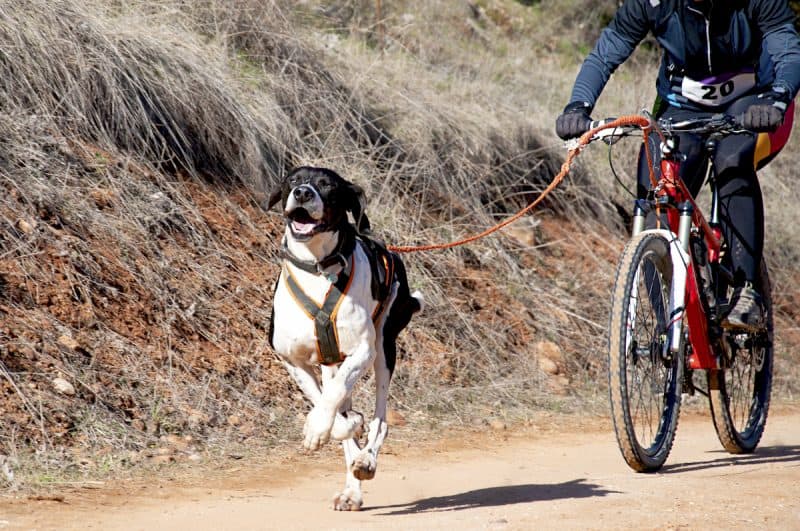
671,291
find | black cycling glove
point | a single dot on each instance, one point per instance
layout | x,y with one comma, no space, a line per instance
574,121
767,113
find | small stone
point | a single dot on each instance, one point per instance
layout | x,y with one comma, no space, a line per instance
64,387
176,441
548,366
26,226
195,420
84,462
559,385
194,458
525,235
524,231
102,198
395,418
68,342
497,425
162,459
234,420
247,429
549,350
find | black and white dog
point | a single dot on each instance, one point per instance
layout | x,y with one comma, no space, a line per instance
340,303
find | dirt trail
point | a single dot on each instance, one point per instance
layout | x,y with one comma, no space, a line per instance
573,478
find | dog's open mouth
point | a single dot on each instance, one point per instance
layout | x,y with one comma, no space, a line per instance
302,224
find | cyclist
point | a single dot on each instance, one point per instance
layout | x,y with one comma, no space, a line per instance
736,57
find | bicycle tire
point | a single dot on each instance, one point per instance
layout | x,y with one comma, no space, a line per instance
645,379
739,408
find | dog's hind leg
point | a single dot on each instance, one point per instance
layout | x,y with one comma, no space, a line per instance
403,306
366,462
350,499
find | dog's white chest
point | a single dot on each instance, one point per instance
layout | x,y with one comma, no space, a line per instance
297,336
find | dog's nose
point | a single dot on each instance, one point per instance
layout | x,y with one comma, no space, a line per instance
302,194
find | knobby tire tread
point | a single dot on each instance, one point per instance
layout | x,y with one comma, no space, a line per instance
623,426
728,435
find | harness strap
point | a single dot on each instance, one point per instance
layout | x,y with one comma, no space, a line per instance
345,247
386,263
324,316
382,263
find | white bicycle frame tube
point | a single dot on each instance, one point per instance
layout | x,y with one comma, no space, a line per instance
677,297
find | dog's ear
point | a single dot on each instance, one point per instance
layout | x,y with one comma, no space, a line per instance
356,204
274,197
278,191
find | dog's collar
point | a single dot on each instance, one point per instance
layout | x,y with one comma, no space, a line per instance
339,256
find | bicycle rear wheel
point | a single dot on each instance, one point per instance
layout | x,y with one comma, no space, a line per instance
739,393
645,377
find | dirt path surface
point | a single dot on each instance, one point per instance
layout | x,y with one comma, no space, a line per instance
571,478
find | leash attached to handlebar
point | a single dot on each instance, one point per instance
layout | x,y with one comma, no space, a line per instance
633,121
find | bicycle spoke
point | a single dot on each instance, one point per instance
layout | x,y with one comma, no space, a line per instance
645,401
742,384
648,376
740,402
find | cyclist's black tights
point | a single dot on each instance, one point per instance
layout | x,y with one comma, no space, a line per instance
741,205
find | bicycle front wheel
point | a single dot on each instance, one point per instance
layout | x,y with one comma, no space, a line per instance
645,377
739,393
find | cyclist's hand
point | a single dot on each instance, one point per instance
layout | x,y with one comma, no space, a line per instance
574,121
767,113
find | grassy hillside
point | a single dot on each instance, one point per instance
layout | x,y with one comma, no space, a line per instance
136,266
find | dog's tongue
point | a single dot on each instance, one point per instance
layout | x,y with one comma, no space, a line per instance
303,228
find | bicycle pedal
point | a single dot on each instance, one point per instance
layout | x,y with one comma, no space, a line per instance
743,340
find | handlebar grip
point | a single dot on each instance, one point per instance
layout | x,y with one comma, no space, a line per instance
600,123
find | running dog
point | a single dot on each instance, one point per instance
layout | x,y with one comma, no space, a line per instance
340,302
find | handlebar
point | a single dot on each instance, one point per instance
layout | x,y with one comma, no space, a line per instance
717,124
724,124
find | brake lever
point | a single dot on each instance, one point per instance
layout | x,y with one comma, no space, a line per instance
607,136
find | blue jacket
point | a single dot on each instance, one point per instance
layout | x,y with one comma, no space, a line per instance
705,45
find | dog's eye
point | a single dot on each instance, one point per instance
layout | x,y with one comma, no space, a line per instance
324,183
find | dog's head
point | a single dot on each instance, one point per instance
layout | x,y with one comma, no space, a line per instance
317,200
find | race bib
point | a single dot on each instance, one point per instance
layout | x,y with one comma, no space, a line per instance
717,91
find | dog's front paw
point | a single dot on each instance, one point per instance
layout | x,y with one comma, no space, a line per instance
364,465
349,500
348,427
317,430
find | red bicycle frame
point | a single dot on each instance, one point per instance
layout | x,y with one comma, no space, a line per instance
702,354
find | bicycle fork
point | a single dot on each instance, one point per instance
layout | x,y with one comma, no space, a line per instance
684,297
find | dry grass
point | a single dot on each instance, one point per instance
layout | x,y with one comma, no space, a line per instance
136,264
